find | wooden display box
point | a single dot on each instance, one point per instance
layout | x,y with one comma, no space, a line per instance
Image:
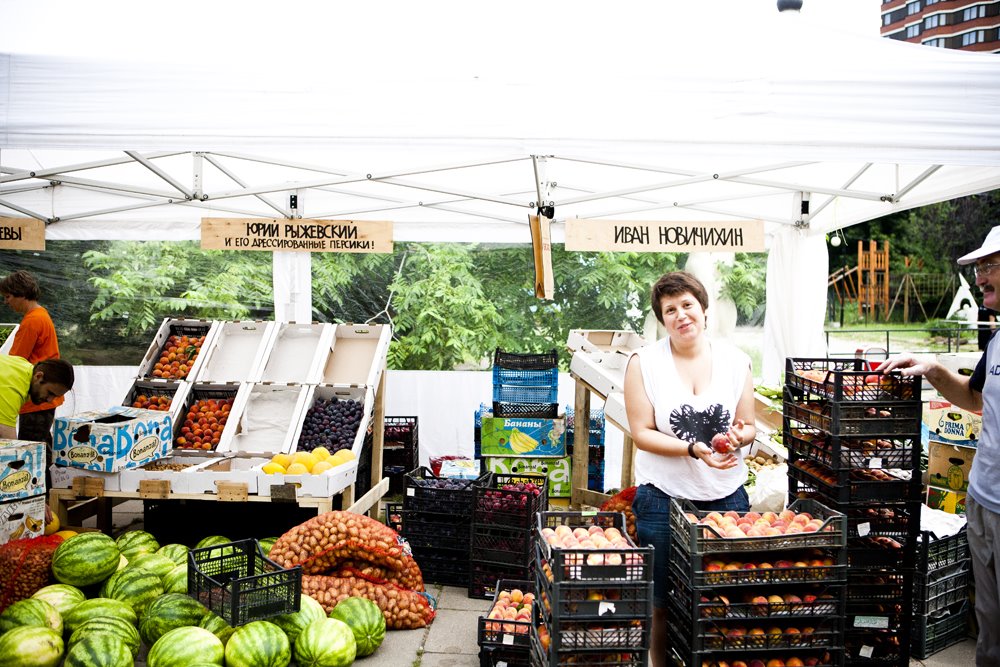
170,327
238,351
298,353
265,419
357,354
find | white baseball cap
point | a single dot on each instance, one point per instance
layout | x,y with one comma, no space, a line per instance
990,246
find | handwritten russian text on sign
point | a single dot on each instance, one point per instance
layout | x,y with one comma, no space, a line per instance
632,236
365,236
22,234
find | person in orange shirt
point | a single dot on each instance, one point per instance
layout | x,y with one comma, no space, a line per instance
36,341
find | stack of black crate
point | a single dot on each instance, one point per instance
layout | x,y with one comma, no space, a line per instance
525,385
853,438
593,606
941,606
595,446
400,452
776,599
504,516
505,641
437,523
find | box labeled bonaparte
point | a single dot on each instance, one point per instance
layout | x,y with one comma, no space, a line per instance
523,436
22,469
113,439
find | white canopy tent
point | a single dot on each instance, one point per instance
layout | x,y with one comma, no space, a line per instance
456,136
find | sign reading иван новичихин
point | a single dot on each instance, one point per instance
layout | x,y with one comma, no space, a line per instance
636,236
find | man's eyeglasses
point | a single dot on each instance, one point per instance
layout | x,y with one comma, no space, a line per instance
982,269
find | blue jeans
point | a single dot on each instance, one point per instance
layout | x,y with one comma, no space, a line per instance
651,509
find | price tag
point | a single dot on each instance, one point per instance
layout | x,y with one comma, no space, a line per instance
411,491
873,622
876,463
501,663
864,529
508,640
866,651
588,513
605,608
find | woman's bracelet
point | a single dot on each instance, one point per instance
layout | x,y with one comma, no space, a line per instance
691,449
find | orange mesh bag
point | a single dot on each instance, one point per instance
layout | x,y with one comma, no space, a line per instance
622,502
25,566
403,609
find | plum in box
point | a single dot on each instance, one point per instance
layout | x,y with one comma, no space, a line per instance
22,519
199,332
237,352
112,440
357,354
298,354
265,420
523,436
317,394
22,469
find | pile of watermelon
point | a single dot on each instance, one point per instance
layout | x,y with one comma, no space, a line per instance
118,598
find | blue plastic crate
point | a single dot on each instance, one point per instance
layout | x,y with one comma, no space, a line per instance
548,377
515,394
596,418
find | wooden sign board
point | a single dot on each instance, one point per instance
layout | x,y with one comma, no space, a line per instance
269,235
541,244
22,234
629,236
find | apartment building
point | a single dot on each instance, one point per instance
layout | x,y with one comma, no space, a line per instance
970,25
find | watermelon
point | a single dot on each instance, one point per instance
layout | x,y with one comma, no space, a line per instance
175,552
134,542
266,544
61,596
211,541
99,651
325,643
365,620
176,581
217,626
258,644
98,608
182,646
134,587
122,562
115,627
293,624
169,611
156,563
31,611
29,646
85,559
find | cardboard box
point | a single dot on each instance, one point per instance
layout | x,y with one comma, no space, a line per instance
22,519
945,421
219,391
237,352
948,466
176,390
557,470
298,354
357,355
947,501
22,469
963,363
172,469
364,395
62,477
536,436
176,327
265,420
205,478
112,440
323,485
8,342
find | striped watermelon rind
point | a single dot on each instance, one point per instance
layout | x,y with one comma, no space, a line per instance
32,612
365,620
168,612
134,542
182,646
293,624
133,586
85,559
266,544
115,627
258,644
176,581
29,646
104,650
326,643
156,563
217,626
99,608
175,552
61,596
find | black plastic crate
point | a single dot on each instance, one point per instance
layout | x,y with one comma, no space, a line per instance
495,505
934,553
850,381
496,544
876,553
401,432
483,577
597,420
700,539
877,648
525,361
507,634
449,567
585,601
632,563
422,529
595,440
846,487
394,516
603,634
541,410
505,657
426,492
806,566
942,588
878,419
940,630
900,522
845,453
549,657
879,592
237,582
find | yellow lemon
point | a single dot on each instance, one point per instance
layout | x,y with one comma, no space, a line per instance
283,460
66,534
52,526
297,469
305,458
321,466
344,455
272,468
322,453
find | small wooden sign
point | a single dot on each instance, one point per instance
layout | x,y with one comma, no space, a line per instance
22,234
269,235
154,489
232,492
541,245
283,493
631,236
91,487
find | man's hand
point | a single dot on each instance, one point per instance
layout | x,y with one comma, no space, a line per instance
907,364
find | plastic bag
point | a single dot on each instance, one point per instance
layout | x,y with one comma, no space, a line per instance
770,492
24,567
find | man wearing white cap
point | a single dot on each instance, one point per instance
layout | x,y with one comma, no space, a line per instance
981,391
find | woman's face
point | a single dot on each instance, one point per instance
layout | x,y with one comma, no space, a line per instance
683,316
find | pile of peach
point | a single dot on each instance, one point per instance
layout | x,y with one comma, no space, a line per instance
177,357
592,537
754,524
203,424
513,605
145,402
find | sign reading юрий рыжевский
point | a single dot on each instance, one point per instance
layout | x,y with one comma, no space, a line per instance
263,234
636,236
22,234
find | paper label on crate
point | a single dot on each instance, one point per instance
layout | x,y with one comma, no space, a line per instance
501,663
864,529
508,640
411,491
605,608
875,463
872,622
866,651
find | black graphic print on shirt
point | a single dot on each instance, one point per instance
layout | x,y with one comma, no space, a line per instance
690,425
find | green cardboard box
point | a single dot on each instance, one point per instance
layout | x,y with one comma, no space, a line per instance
523,436
557,470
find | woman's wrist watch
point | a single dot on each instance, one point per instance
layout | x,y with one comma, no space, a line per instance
691,449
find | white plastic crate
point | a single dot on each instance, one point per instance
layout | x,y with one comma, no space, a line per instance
130,479
265,420
357,354
169,327
238,351
238,469
298,353
324,484
342,392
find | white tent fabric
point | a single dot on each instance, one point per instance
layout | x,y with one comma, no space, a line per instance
638,117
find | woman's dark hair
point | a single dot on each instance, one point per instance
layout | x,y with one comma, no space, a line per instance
674,283
58,371
20,284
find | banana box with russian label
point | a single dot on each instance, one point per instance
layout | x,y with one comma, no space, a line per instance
22,469
523,436
111,440
948,466
558,471
22,519
945,421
